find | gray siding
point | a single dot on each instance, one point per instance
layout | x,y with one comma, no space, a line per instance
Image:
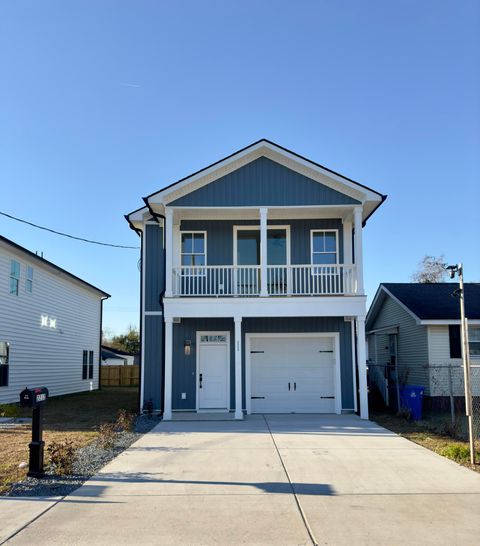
220,237
263,182
153,365
154,267
412,341
184,367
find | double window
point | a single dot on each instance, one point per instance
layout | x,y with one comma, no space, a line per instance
194,251
87,365
324,246
455,339
4,363
14,277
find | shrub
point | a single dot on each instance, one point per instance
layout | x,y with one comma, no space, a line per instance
106,438
9,410
61,456
125,421
458,452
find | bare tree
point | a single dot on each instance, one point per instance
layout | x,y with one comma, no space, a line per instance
430,270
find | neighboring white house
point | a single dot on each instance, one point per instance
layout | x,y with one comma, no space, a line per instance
116,357
50,326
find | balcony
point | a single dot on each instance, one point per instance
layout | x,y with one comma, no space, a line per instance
280,280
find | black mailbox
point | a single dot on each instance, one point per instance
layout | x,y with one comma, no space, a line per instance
36,399
32,398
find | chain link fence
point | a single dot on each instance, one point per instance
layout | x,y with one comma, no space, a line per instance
445,393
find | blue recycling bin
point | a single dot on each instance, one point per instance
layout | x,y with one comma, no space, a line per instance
411,397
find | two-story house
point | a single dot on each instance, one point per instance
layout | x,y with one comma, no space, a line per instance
252,295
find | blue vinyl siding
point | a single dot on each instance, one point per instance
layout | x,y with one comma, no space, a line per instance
153,365
154,267
184,367
220,237
263,182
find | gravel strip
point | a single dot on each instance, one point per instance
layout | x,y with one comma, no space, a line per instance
88,461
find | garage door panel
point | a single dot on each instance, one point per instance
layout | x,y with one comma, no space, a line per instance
307,363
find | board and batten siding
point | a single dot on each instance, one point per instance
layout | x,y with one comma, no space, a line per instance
44,356
153,326
412,343
184,366
220,237
263,182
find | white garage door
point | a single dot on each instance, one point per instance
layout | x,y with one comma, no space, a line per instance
292,374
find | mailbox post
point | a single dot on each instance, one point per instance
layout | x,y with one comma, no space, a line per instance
36,399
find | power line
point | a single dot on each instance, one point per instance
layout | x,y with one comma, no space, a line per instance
66,234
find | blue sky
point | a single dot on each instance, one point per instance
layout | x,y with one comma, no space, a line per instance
103,102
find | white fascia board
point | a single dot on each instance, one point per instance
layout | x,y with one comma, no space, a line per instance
440,322
138,217
337,182
337,306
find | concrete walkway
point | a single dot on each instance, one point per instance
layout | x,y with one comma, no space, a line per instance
280,480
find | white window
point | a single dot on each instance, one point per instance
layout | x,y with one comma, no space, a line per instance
213,339
14,277
324,246
29,279
194,251
474,341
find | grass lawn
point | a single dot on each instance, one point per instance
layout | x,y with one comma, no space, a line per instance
429,433
74,417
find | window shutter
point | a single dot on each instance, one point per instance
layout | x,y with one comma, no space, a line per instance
85,365
90,365
455,341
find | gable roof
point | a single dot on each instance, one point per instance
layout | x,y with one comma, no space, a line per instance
48,264
429,302
260,148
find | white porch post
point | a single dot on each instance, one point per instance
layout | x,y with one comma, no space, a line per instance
362,367
168,252
347,243
238,368
167,403
263,252
358,248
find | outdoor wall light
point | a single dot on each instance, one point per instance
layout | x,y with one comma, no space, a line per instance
187,346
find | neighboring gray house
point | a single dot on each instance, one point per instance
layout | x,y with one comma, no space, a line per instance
252,295
117,357
417,327
50,326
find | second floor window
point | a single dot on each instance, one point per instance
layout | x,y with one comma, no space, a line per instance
29,279
14,277
194,248
324,247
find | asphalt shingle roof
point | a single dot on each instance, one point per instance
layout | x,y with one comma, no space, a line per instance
435,301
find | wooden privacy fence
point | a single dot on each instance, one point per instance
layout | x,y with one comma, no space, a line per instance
120,376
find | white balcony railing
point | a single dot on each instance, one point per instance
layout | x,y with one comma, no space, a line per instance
282,280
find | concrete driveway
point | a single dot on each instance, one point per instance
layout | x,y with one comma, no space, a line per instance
280,480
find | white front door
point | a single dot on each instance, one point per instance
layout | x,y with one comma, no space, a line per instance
293,374
213,371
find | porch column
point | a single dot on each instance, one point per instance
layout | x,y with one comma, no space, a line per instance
263,252
358,248
362,367
167,403
238,368
347,243
168,252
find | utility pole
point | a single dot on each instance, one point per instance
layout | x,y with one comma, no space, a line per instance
452,269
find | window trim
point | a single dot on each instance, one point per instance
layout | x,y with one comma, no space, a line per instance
184,271
472,327
28,280
337,249
12,277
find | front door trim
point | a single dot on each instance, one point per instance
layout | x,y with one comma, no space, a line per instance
197,365
248,365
